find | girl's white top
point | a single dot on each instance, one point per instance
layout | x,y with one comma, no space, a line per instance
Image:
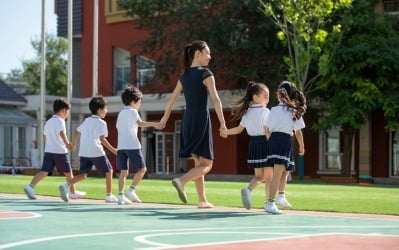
127,127
280,120
254,120
52,129
91,129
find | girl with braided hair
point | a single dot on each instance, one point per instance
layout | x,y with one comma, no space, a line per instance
284,120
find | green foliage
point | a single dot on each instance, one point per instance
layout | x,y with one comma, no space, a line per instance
56,67
304,27
362,74
237,32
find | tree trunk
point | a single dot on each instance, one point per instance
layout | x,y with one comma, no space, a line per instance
348,135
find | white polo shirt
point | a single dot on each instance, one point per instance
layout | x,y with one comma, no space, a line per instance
52,129
254,120
127,127
280,120
90,131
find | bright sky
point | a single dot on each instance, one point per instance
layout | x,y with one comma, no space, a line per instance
20,23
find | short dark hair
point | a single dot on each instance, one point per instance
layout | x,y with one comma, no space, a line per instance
131,94
60,104
97,103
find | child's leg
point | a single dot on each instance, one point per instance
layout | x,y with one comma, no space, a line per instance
281,200
29,189
246,192
38,177
108,182
277,173
270,206
69,177
138,176
122,180
268,175
77,178
258,179
283,181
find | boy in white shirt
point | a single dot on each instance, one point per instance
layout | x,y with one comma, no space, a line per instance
56,150
129,146
93,132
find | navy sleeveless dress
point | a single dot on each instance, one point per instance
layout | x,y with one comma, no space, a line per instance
196,130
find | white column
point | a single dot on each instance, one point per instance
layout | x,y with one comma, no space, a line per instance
143,115
42,113
69,76
95,49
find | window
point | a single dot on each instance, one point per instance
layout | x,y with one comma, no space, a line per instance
395,153
114,13
164,152
21,143
145,70
331,152
391,6
122,70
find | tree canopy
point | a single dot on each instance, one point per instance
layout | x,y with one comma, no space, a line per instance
361,75
304,27
56,67
240,36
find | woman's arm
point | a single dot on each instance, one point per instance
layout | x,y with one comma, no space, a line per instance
144,124
168,109
217,104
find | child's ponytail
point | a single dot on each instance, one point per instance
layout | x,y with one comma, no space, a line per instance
253,88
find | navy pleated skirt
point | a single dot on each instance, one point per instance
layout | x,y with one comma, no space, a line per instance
257,152
280,151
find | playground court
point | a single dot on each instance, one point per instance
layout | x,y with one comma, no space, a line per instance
49,223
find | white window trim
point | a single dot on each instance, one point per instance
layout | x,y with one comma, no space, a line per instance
390,156
322,159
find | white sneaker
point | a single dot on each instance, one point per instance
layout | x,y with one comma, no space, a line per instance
111,199
271,208
122,200
30,192
246,197
131,194
282,201
180,189
77,195
64,188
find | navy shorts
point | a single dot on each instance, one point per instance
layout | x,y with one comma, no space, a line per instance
135,157
60,161
101,163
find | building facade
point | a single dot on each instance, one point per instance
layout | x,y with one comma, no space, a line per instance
375,151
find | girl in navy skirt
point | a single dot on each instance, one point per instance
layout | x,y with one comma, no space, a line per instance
284,120
197,83
253,113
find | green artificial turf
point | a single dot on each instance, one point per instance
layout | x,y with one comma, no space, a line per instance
303,195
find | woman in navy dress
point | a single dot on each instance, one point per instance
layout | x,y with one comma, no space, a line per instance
197,83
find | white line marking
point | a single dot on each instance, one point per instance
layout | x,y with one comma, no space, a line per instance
26,242
257,240
143,238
